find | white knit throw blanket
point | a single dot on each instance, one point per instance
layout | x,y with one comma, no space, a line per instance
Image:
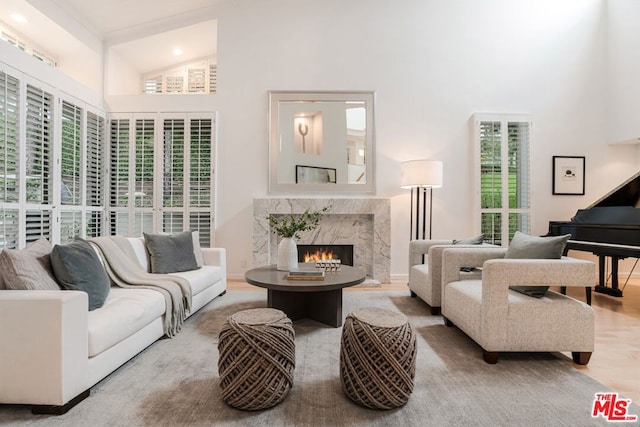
124,271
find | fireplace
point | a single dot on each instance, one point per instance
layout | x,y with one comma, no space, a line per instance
364,223
311,253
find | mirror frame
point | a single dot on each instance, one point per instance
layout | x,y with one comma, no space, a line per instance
275,97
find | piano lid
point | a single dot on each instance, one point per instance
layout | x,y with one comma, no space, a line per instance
626,194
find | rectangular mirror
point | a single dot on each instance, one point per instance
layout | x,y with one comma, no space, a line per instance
321,142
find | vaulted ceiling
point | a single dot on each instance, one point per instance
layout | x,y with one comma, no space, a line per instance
143,32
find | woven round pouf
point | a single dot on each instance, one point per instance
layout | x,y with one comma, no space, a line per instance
378,358
257,358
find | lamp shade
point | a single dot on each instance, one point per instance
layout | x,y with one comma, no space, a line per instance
421,173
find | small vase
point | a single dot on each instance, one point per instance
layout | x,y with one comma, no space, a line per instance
287,254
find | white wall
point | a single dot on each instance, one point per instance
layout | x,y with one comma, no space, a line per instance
432,64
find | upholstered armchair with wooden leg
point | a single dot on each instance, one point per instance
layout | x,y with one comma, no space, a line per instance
425,268
500,319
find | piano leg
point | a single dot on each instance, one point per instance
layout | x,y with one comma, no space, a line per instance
602,287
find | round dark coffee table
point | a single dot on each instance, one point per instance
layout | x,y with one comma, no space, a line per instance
320,300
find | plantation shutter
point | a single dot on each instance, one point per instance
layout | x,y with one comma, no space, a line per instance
213,78
9,222
174,83
39,131
71,156
173,171
144,152
95,199
9,138
119,138
504,176
196,78
200,178
172,156
95,160
153,84
38,225
143,195
70,225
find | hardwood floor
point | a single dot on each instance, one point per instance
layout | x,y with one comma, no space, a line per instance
616,359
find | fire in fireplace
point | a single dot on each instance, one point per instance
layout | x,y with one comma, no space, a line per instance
311,253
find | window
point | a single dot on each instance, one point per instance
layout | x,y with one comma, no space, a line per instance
197,77
502,145
39,132
71,156
44,167
169,172
38,53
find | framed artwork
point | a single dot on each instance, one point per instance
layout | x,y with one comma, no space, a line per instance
315,175
568,175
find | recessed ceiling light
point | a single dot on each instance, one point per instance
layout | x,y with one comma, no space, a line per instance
177,51
18,18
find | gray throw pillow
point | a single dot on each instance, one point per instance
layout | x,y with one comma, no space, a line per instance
29,268
533,247
77,267
171,253
477,240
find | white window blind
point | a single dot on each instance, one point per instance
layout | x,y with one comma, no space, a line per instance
38,225
9,228
70,225
42,164
144,161
71,156
193,78
183,177
213,78
95,160
119,162
175,84
173,163
502,147
94,223
39,146
196,78
9,138
153,84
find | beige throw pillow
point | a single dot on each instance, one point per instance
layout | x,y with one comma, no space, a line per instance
28,268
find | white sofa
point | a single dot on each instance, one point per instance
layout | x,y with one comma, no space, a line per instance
54,350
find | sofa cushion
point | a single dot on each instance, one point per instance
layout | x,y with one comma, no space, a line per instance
77,267
201,278
533,247
171,253
124,313
28,268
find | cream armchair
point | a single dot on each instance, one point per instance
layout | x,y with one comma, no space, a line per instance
500,319
425,278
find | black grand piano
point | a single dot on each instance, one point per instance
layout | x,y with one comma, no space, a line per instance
609,227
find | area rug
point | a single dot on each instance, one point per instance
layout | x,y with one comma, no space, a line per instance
174,382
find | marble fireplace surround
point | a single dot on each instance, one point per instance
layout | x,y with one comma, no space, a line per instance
364,223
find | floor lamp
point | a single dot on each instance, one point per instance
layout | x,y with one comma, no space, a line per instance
421,177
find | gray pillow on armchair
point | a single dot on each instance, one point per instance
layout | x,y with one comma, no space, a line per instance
524,246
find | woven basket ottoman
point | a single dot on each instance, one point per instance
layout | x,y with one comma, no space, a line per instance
377,358
257,358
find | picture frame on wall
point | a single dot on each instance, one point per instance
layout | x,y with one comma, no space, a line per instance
315,175
568,175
